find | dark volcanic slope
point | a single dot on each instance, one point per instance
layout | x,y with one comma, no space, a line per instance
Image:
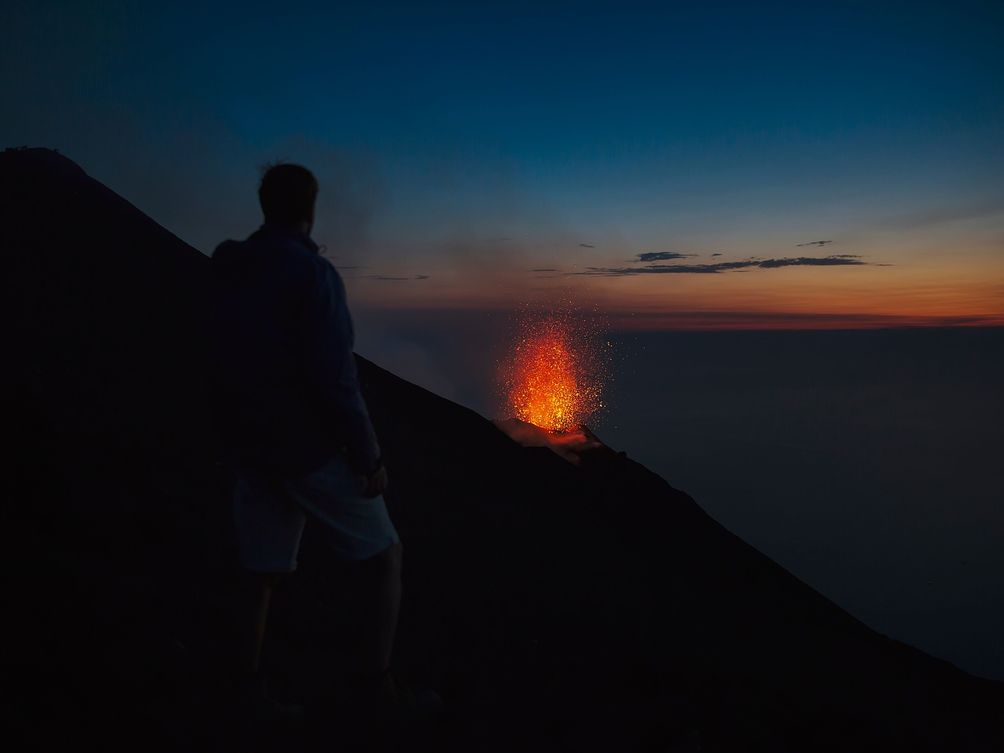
554,607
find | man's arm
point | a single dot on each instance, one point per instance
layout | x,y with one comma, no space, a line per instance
332,366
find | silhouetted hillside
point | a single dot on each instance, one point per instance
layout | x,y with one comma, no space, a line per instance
554,607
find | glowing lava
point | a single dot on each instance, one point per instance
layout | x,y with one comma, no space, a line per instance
553,378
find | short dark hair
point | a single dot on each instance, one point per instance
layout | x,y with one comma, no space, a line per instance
287,193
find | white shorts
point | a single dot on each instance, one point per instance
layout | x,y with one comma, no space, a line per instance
270,515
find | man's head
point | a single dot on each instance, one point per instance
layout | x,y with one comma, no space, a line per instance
287,194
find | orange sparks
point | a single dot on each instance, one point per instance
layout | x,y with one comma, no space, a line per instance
553,378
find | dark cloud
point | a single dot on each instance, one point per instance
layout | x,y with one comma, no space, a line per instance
396,278
680,269
587,245
662,256
814,243
544,269
716,254
808,261
724,266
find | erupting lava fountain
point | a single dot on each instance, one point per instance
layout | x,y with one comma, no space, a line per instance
554,374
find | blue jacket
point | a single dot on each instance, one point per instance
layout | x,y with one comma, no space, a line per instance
284,374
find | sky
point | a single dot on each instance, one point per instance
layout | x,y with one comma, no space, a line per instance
674,166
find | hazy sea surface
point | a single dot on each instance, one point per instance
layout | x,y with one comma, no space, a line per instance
868,463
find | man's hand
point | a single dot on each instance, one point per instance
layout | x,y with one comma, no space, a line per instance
375,483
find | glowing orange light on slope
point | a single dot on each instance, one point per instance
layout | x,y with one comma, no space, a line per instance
553,378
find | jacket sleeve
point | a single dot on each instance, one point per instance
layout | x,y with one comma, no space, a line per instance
331,364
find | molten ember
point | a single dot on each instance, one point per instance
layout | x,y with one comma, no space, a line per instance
553,377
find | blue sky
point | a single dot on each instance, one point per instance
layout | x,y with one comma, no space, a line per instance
459,140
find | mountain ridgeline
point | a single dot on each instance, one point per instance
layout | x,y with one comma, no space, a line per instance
552,606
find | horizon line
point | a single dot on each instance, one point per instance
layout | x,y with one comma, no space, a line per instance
722,321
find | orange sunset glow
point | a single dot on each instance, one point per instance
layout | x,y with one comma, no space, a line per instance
941,289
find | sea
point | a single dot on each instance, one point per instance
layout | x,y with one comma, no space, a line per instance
869,463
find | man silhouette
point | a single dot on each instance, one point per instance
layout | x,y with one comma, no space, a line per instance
296,427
